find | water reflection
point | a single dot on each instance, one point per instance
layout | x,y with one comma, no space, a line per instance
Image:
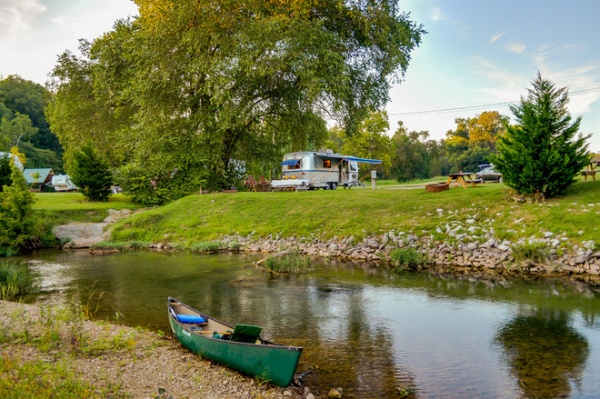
545,353
364,329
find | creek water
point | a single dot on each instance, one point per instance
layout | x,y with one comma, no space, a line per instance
370,331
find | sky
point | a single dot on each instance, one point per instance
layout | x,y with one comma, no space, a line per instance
477,55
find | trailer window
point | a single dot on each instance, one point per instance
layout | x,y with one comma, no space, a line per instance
327,163
294,165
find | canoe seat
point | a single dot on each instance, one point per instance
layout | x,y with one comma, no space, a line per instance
246,333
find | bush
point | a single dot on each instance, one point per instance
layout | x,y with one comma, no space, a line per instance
15,279
536,252
17,224
293,262
5,171
91,174
407,258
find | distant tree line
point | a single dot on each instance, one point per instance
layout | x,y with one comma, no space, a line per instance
409,155
23,124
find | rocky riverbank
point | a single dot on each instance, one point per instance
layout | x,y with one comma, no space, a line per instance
117,361
463,249
467,246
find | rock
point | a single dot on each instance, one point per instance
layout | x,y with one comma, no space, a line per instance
582,257
335,393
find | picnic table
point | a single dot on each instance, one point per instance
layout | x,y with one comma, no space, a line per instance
590,170
462,178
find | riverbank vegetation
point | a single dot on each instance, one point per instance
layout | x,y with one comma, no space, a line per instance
15,280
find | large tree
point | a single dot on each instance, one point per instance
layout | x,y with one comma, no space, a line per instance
192,85
542,153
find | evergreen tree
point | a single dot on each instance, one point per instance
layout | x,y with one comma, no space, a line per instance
17,224
541,152
91,174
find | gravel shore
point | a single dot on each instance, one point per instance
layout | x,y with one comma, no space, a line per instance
135,362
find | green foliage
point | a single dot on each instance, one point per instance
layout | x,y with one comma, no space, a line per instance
541,153
292,262
91,174
17,223
209,246
371,141
5,172
198,84
15,279
535,251
23,122
158,186
407,258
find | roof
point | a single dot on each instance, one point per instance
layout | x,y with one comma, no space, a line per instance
298,155
44,172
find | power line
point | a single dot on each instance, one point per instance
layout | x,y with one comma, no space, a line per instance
475,107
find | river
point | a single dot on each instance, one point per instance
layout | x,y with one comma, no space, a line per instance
373,332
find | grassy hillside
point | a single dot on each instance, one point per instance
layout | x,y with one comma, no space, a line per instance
362,212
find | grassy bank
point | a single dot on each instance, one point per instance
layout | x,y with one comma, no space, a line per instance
363,212
62,208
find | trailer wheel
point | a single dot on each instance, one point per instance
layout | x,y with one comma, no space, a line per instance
333,186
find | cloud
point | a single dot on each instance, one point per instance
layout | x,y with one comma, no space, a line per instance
494,38
437,14
517,48
17,16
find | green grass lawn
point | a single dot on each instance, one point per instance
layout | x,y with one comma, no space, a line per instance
61,208
362,212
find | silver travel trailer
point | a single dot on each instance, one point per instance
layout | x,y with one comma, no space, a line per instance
322,169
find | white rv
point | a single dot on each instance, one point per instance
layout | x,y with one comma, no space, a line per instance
322,169
63,183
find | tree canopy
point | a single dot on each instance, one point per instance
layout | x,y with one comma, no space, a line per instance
190,86
23,123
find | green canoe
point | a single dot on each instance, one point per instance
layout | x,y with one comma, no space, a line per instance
240,348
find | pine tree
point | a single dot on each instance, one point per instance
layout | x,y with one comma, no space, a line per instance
541,152
91,174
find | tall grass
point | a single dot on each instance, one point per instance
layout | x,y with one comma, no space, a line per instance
292,262
15,279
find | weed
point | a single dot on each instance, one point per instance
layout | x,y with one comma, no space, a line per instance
210,246
293,262
407,258
163,394
15,279
534,251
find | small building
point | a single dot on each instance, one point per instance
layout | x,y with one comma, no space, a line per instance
36,178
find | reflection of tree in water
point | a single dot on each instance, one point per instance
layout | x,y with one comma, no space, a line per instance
544,352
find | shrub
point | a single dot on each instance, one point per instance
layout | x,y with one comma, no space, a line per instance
535,251
17,223
15,279
209,246
407,258
292,262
